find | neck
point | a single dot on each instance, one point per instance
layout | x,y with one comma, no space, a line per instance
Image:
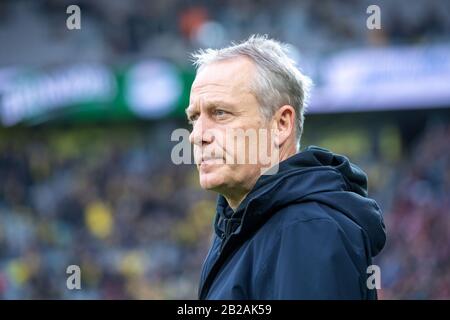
234,202
235,199
238,194
287,151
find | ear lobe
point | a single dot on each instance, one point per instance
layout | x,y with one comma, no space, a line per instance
276,140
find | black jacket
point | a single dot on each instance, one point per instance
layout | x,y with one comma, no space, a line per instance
306,232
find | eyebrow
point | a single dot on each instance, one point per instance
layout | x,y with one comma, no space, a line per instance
209,105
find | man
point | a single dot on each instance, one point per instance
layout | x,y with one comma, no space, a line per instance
305,231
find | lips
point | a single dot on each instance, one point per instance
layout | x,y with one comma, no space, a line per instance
211,160
208,157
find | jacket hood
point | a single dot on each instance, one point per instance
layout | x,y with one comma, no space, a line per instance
315,174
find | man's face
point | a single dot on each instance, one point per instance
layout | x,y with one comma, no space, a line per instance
220,103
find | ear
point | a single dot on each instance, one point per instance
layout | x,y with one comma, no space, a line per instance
284,124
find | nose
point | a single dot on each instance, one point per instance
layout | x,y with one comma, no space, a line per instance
201,134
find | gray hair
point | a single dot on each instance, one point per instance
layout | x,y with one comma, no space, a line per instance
278,80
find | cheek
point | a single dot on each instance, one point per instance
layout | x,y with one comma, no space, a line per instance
225,174
214,176
248,148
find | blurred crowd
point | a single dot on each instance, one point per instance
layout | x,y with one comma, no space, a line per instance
415,263
109,200
121,30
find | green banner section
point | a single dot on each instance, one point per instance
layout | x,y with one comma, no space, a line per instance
151,89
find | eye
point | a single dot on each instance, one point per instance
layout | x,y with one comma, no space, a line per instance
220,113
193,118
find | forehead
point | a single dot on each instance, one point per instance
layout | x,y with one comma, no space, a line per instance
229,77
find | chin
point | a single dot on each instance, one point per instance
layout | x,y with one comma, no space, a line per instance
210,181
211,177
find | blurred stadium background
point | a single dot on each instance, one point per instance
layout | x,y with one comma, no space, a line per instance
86,117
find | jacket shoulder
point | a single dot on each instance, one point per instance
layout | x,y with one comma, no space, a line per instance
301,212
305,237
308,215
295,213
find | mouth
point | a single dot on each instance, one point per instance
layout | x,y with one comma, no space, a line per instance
210,161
